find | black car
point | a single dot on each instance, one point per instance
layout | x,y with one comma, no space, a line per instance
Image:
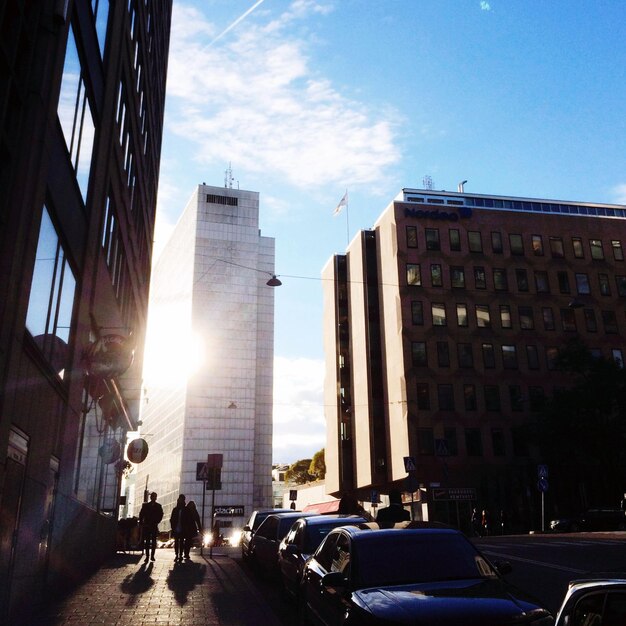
409,576
302,540
263,547
599,600
250,527
592,520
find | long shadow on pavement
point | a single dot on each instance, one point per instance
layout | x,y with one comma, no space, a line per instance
183,578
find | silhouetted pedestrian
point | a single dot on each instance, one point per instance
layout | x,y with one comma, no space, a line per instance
476,523
176,522
486,522
191,526
395,512
150,516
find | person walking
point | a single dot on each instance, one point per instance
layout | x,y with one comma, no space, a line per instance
395,512
476,523
150,516
191,527
176,522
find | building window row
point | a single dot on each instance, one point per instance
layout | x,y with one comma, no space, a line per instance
538,245
541,281
509,355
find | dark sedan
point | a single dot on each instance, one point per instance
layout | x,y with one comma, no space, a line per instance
592,520
302,540
263,547
252,525
409,576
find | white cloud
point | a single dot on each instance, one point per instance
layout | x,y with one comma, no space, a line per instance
620,193
299,424
485,6
255,99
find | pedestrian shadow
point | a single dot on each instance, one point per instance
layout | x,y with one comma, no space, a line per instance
183,578
137,583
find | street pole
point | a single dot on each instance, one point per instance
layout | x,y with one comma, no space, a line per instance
212,515
202,530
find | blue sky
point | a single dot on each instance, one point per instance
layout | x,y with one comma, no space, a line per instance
309,98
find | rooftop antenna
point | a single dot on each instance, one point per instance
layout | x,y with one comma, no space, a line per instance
427,182
461,186
228,177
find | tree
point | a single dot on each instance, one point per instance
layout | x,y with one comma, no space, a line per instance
298,473
318,465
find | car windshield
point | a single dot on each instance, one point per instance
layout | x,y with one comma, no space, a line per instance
315,534
401,559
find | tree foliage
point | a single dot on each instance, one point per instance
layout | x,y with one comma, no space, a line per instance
298,473
318,465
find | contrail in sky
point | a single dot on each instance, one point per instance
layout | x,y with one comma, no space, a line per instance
239,19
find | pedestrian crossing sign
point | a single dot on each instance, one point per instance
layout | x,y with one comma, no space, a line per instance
409,464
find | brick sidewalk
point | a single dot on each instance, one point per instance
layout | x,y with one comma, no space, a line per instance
129,591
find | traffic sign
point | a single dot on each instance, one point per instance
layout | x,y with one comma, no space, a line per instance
542,471
542,485
441,447
202,471
409,464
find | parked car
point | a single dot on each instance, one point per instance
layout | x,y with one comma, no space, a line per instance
251,526
302,540
591,520
594,602
263,547
410,576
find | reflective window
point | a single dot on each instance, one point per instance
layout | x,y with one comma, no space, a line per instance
548,318
461,314
537,243
517,244
556,247
500,282
577,245
457,277
496,242
591,323
100,10
480,278
418,353
597,252
469,397
603,281
432,239
423,396
582,284
51,301
411,237
618,253
620,281
521,276
443,354
505,316
541,282
436,276
75,116
515,396
509,357
465,355
489,359
455,240
439,314
475,241
526,318
417,313
532,356
563,281
413,274
483,319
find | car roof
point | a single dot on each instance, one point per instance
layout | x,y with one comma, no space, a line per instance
320,520
597,581
365,531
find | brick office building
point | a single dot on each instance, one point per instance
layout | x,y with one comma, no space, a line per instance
82,91
442,324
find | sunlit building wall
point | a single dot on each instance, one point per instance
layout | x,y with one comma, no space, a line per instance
209,357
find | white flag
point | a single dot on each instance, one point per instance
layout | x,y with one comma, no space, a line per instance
343,202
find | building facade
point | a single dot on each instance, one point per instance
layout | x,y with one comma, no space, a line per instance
212,278
81,114
442,325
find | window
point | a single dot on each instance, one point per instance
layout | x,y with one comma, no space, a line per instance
449,434
563,281
418,352
51,301
548,318
457,277
556,247
517,244
455,240
537,243
489,359
75,116
443,354
413,274
536,398
473,443
446,397
597,253
438,313
423,396
515,396
618,356
577,245
432,239
425,441
480,278
582,284
620,281
496,242
610,322
411,237
483,318
461,314
492,398
101,15
509,357
552,355
469,396
532,356
497,442
603,280
436,277
541,282
417,313
590,320
526,318
500,282
505,316
618,253
474,241
465,355
521,276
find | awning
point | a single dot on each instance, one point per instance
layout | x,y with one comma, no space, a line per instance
322,507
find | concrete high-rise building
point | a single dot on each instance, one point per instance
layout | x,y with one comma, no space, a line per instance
82,92
209,298
442,325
